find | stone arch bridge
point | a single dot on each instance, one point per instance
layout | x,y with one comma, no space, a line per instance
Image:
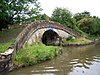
47,32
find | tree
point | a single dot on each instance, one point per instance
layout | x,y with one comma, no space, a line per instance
87,25
45,17
3,15
79,16
39,17
63,16
97,21
12,11
35,11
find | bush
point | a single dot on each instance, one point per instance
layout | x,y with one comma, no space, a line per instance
70,38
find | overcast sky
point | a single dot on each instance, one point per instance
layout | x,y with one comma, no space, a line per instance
92,6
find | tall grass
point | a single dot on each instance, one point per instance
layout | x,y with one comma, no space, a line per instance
80,40
4,46
35,54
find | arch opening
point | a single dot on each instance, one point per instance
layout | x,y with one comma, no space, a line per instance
50,37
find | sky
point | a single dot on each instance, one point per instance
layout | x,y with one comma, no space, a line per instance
74,6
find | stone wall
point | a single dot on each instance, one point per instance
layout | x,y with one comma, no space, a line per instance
6,60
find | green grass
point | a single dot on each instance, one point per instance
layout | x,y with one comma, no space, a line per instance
4,46
95,37
35,54
8,36
77,41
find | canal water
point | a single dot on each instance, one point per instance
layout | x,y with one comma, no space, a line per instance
74,61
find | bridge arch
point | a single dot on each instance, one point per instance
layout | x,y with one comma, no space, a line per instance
47,35
32,33
36,31
50,37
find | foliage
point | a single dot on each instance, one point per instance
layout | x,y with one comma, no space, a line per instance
97,21
34,54
80,40
69,38
89,26
12,11
39,17
44,17
3,15
63,16
79,16
4,46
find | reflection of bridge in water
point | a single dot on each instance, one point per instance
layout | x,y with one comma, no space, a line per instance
46,32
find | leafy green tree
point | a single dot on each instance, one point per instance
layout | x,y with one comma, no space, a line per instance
45,17
87,25
3,15
63,16
35,11
79,16
97,21
12,11
39,17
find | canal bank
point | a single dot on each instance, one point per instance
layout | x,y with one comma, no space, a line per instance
30,35
83,60
33,54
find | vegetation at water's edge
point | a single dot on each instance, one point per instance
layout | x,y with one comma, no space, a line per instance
80,40
4,46
7,37
34,54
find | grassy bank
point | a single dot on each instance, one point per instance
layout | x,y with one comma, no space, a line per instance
80,40
34,54
8,36
6,45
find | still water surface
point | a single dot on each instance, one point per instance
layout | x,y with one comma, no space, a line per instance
73,61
